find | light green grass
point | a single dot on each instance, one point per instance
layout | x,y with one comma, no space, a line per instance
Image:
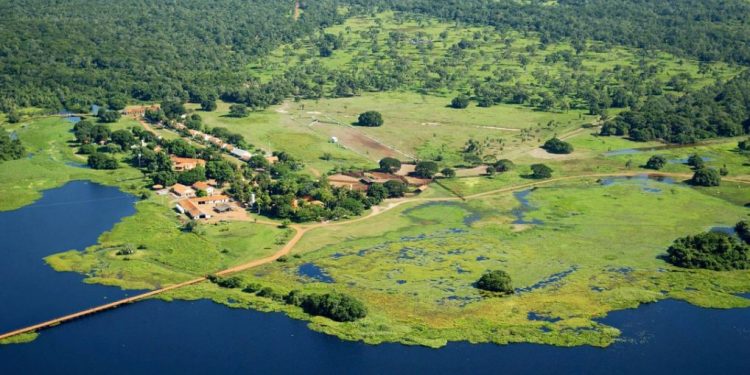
48,141
24,338
611,237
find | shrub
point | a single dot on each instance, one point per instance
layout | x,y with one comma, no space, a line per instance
503,165
335,306
390,165
743,231
541,171
448,172
238,110
496,281
229,282
370,118
656,162
556,146
460,102
696,161
706,177
99,160
426,169
712,250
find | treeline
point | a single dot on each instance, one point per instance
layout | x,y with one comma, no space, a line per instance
708,30
721,110
335,306
70,54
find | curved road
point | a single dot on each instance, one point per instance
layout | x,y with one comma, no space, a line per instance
301,230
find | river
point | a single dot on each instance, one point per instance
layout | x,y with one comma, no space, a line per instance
155,337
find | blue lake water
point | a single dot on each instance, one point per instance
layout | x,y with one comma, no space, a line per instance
70,217
314,272
155,337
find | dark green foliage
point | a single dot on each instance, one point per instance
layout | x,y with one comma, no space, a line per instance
390,165
252,288
238,110
228,282
370,118
14,117
99,160
335,306
706,177
743,230
192,176
656,162
108,116
294,298
426,169
10,149
556,146
448,172
208,105
696,161
396,189
712,250
378,192
124,138
220,170
503,165
87,149
496,281
716,111
744,146
540,171
460,102
173,108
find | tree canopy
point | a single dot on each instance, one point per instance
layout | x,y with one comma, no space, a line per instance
711,250
370,118
496,281
557,146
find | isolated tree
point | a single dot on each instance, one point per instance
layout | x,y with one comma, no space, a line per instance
460,102
448,172
396,189
426,169
14,117
496,281
557,146
173,108
208,105
503,165
370,118
238,110
390,165
706,177
541,171
656,162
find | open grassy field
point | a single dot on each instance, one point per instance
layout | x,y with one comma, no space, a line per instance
52,162
594,249
164,253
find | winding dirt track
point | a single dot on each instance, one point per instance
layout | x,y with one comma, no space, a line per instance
301,230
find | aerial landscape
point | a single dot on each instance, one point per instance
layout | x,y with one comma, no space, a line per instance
375,186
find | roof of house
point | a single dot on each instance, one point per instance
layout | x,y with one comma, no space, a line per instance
190,207
215,198
181,189
202,185
178,160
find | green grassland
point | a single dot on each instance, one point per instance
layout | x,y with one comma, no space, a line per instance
52,162
415,269
164,253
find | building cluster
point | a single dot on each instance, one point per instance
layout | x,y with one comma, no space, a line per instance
361,181
211,203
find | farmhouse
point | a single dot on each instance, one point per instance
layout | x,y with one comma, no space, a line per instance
182,191
185,164
216,199
187,206
203,185
242,154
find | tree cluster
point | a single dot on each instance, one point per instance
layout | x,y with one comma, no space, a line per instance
711,250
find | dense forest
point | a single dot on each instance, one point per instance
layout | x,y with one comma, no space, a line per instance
722,110
708,30
74,53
